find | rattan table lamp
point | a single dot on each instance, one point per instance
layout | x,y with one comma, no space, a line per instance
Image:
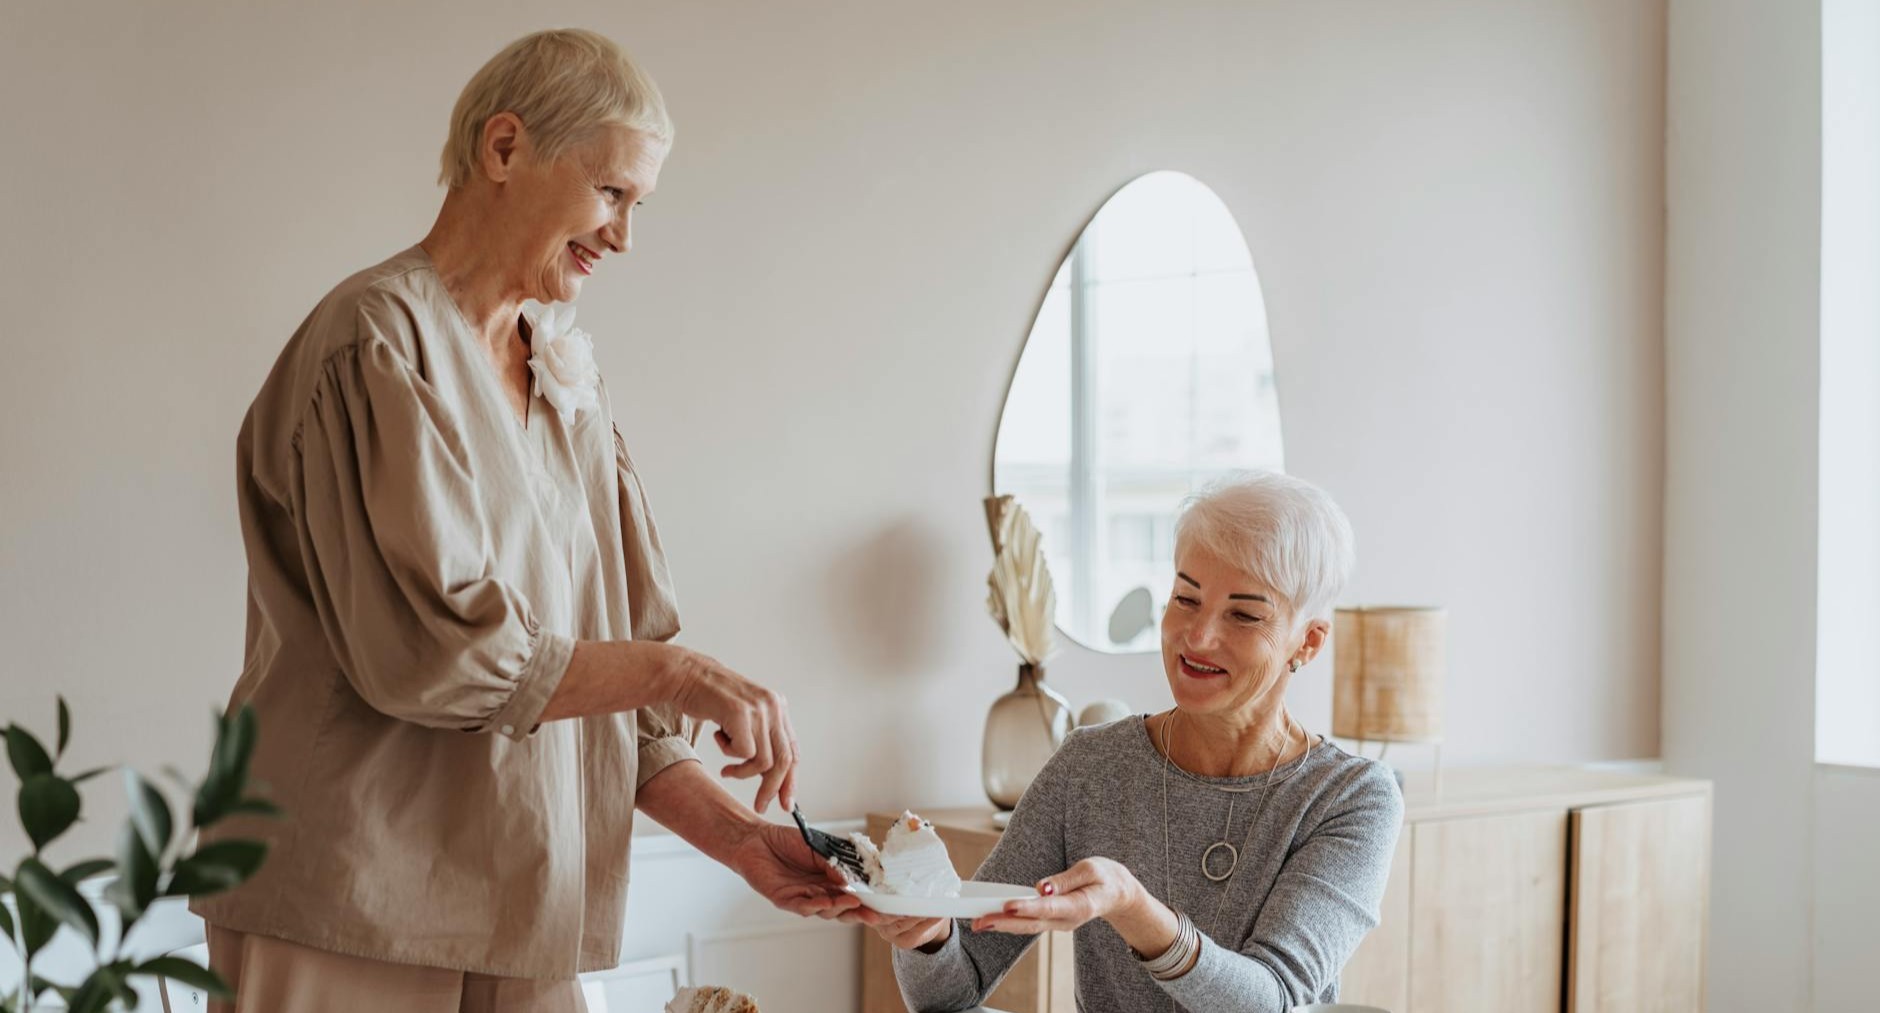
1387,677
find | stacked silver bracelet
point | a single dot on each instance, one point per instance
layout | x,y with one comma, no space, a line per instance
1176,958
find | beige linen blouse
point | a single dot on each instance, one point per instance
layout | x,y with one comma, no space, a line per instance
420,567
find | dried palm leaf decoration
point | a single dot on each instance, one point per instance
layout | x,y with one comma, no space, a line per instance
1022,601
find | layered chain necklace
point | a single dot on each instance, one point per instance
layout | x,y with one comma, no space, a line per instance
1224,844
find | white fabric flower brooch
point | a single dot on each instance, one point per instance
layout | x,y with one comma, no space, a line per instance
562,360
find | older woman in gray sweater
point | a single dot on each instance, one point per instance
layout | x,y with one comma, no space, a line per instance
1215,856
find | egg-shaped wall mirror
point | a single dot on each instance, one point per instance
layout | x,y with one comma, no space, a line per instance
1147,374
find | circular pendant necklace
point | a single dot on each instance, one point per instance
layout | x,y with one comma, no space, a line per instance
1209,862
1233,853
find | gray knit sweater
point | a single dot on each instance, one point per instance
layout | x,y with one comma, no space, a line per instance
1306,890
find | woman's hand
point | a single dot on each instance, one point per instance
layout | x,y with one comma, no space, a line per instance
753,724
913,933
778,865
1093,888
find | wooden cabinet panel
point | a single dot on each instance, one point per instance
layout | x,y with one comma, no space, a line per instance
1378,973
1041,981
1641,894
1489,913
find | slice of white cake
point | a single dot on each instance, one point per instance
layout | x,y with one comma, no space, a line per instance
871,860
913,861
711,999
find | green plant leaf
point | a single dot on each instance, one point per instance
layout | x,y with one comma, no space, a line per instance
136,884
187,972
216,792
65,728
100,987
48,806
241,745
25,752
42,986
36,926
6,924
149,812
254,807
227,779
84,870
216,867
211,802
58,898
88,775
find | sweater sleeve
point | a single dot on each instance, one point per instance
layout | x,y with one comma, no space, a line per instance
971,964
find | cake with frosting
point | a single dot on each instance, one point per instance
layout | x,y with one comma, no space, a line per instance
711,999
911,862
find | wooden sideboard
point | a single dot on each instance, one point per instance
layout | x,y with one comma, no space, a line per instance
1542,889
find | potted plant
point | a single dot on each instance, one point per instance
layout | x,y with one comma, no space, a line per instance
150,863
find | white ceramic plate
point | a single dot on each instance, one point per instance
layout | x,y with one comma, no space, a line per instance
975,899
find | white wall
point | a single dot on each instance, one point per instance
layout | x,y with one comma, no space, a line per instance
1742,354
1847,887
1455,207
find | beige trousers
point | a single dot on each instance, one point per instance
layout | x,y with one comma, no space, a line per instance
275,976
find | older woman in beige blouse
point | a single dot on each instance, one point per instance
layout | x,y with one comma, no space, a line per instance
458,609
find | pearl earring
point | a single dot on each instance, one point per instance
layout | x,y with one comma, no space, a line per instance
1294,666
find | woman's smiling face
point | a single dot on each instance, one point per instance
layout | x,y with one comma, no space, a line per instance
567,214
1226,638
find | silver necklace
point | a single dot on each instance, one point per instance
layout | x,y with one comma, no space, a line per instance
1233,865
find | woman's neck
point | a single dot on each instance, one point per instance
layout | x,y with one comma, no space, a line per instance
466,258
1233,745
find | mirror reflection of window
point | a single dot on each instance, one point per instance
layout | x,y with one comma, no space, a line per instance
1147,373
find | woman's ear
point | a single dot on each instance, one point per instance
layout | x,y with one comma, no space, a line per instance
502,138
1316,633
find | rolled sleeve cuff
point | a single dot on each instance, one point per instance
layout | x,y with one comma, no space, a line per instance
658,754
548,664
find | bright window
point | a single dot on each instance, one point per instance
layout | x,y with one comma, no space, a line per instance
1847,686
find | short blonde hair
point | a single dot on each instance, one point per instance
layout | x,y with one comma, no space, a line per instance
1284,532
563,84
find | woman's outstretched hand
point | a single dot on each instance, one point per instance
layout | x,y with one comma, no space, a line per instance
753,725
780,867
1093,888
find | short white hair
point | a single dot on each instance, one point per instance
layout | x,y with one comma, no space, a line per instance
1283,531
563,84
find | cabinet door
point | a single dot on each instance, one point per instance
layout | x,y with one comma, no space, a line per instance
1488,913
1041,981
1378,973
1641,897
